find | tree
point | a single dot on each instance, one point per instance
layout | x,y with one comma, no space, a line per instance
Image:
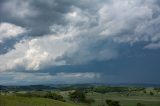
109,102
151,93
140,104
78,96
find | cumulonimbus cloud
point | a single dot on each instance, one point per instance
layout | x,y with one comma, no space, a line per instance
82,34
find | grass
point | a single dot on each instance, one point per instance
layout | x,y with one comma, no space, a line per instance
25,101
131,100
125,100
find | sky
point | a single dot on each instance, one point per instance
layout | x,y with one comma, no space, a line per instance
79,41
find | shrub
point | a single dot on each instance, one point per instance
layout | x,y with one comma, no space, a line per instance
151,93
54,96
140,104
78,96
112,103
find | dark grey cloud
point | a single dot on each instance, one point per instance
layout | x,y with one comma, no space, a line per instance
77,33
43,13
10,78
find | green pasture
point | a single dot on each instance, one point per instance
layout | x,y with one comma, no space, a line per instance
25,101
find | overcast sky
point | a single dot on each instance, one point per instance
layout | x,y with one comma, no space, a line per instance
79,41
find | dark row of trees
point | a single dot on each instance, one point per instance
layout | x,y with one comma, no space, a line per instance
106,89
48,95
54,96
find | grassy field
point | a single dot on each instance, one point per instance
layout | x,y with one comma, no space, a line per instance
99,98
25,101
124,98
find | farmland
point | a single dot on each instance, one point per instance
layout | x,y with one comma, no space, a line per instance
98,95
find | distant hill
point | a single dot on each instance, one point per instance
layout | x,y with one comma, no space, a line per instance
2,87
61,86
29,87
135,84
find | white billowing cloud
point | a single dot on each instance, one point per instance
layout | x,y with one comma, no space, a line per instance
8,30
19,8
40,52
12,58
40,78
35,54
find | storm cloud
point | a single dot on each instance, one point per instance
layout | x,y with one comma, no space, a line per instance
55,33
